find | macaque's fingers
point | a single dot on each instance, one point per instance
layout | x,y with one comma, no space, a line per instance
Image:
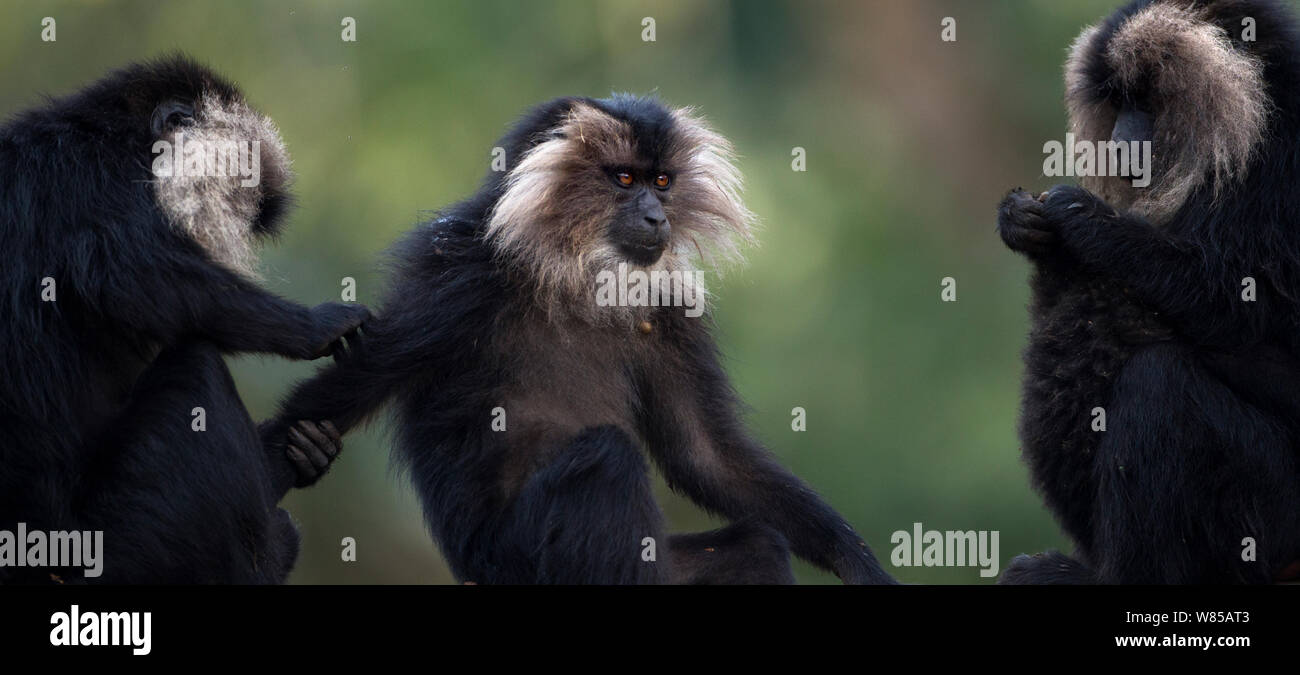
347,347
333,433
318,438
301,465
357,341
334,321
314,454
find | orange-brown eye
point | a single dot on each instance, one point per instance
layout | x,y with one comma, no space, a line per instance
663,180
624,178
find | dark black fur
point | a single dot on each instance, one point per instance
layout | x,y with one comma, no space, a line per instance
98,387
577,512
1200,388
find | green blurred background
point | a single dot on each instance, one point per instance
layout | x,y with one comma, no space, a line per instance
911,141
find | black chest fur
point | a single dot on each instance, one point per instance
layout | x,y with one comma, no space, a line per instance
1083,332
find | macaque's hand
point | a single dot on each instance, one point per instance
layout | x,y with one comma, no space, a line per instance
310,447
1075,214
1024,226
337,328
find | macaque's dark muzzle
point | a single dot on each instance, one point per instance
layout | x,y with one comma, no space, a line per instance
643,235
1132,124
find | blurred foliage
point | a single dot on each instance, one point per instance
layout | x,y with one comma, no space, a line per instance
910,142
